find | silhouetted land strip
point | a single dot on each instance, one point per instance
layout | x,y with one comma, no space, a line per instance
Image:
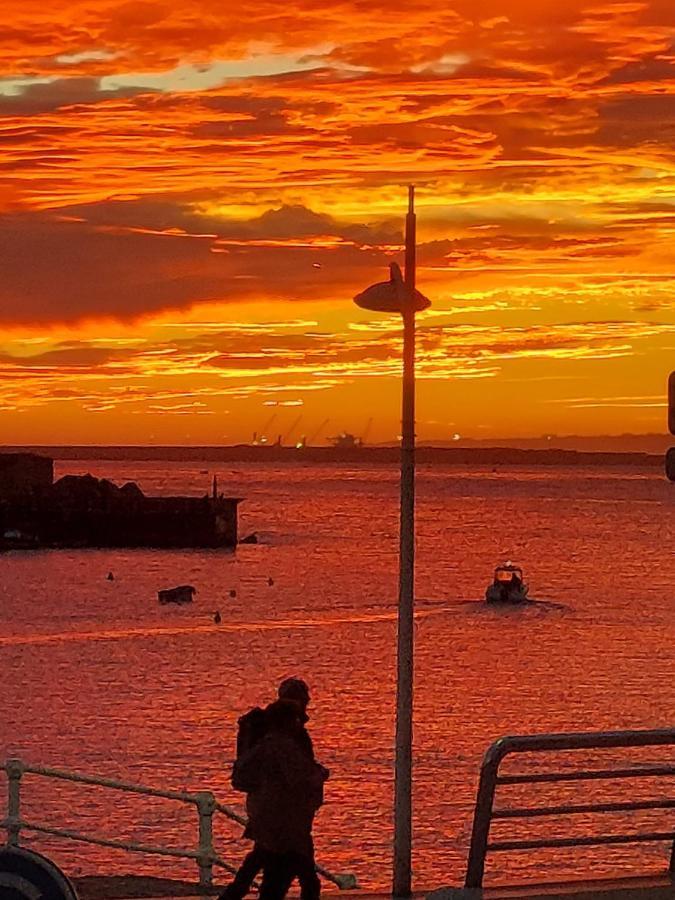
473,457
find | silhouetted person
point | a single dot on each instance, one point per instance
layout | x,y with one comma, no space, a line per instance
296,689
217,618
252,728
284,787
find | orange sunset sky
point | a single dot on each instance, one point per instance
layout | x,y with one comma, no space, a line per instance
192,192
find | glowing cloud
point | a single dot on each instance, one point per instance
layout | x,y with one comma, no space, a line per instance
203,182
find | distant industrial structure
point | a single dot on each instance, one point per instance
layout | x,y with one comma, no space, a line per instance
348,441
345,440
83,511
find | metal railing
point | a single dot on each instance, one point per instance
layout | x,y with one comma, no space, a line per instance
490,779
204,801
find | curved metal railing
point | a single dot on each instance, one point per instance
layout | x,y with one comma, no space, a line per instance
490,779
204,801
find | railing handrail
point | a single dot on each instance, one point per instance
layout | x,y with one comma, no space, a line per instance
204,801
490,779
134,846
578,740
112,783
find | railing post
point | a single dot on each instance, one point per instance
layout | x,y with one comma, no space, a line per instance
206,805
482,818
14,771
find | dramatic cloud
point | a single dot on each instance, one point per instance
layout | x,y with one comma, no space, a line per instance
219,163
46,96
68,267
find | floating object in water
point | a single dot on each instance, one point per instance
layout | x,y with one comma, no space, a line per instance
110,576
250,539
270,581
217,617
508,586
233,593
181,594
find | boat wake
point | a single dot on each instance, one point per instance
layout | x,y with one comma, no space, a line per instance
482,608
209,629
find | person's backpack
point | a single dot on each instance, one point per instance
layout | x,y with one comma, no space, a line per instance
251,728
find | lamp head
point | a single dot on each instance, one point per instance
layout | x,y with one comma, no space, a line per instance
390,296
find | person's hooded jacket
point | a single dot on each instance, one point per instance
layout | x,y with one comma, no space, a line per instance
284,786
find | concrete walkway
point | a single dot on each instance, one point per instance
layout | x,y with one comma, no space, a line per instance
657,887
132,887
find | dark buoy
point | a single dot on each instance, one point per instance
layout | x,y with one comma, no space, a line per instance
270,581
217,617
233,593
181,594
111,577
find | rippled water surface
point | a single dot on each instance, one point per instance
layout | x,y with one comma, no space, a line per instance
99,678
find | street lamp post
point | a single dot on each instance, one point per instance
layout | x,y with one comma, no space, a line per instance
670,455
400,295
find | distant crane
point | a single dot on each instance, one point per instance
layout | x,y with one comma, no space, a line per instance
263,433
308,441
292,429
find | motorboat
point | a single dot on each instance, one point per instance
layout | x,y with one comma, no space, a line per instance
508,585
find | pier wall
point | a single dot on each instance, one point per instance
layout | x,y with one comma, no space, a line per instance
25,475
83,511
